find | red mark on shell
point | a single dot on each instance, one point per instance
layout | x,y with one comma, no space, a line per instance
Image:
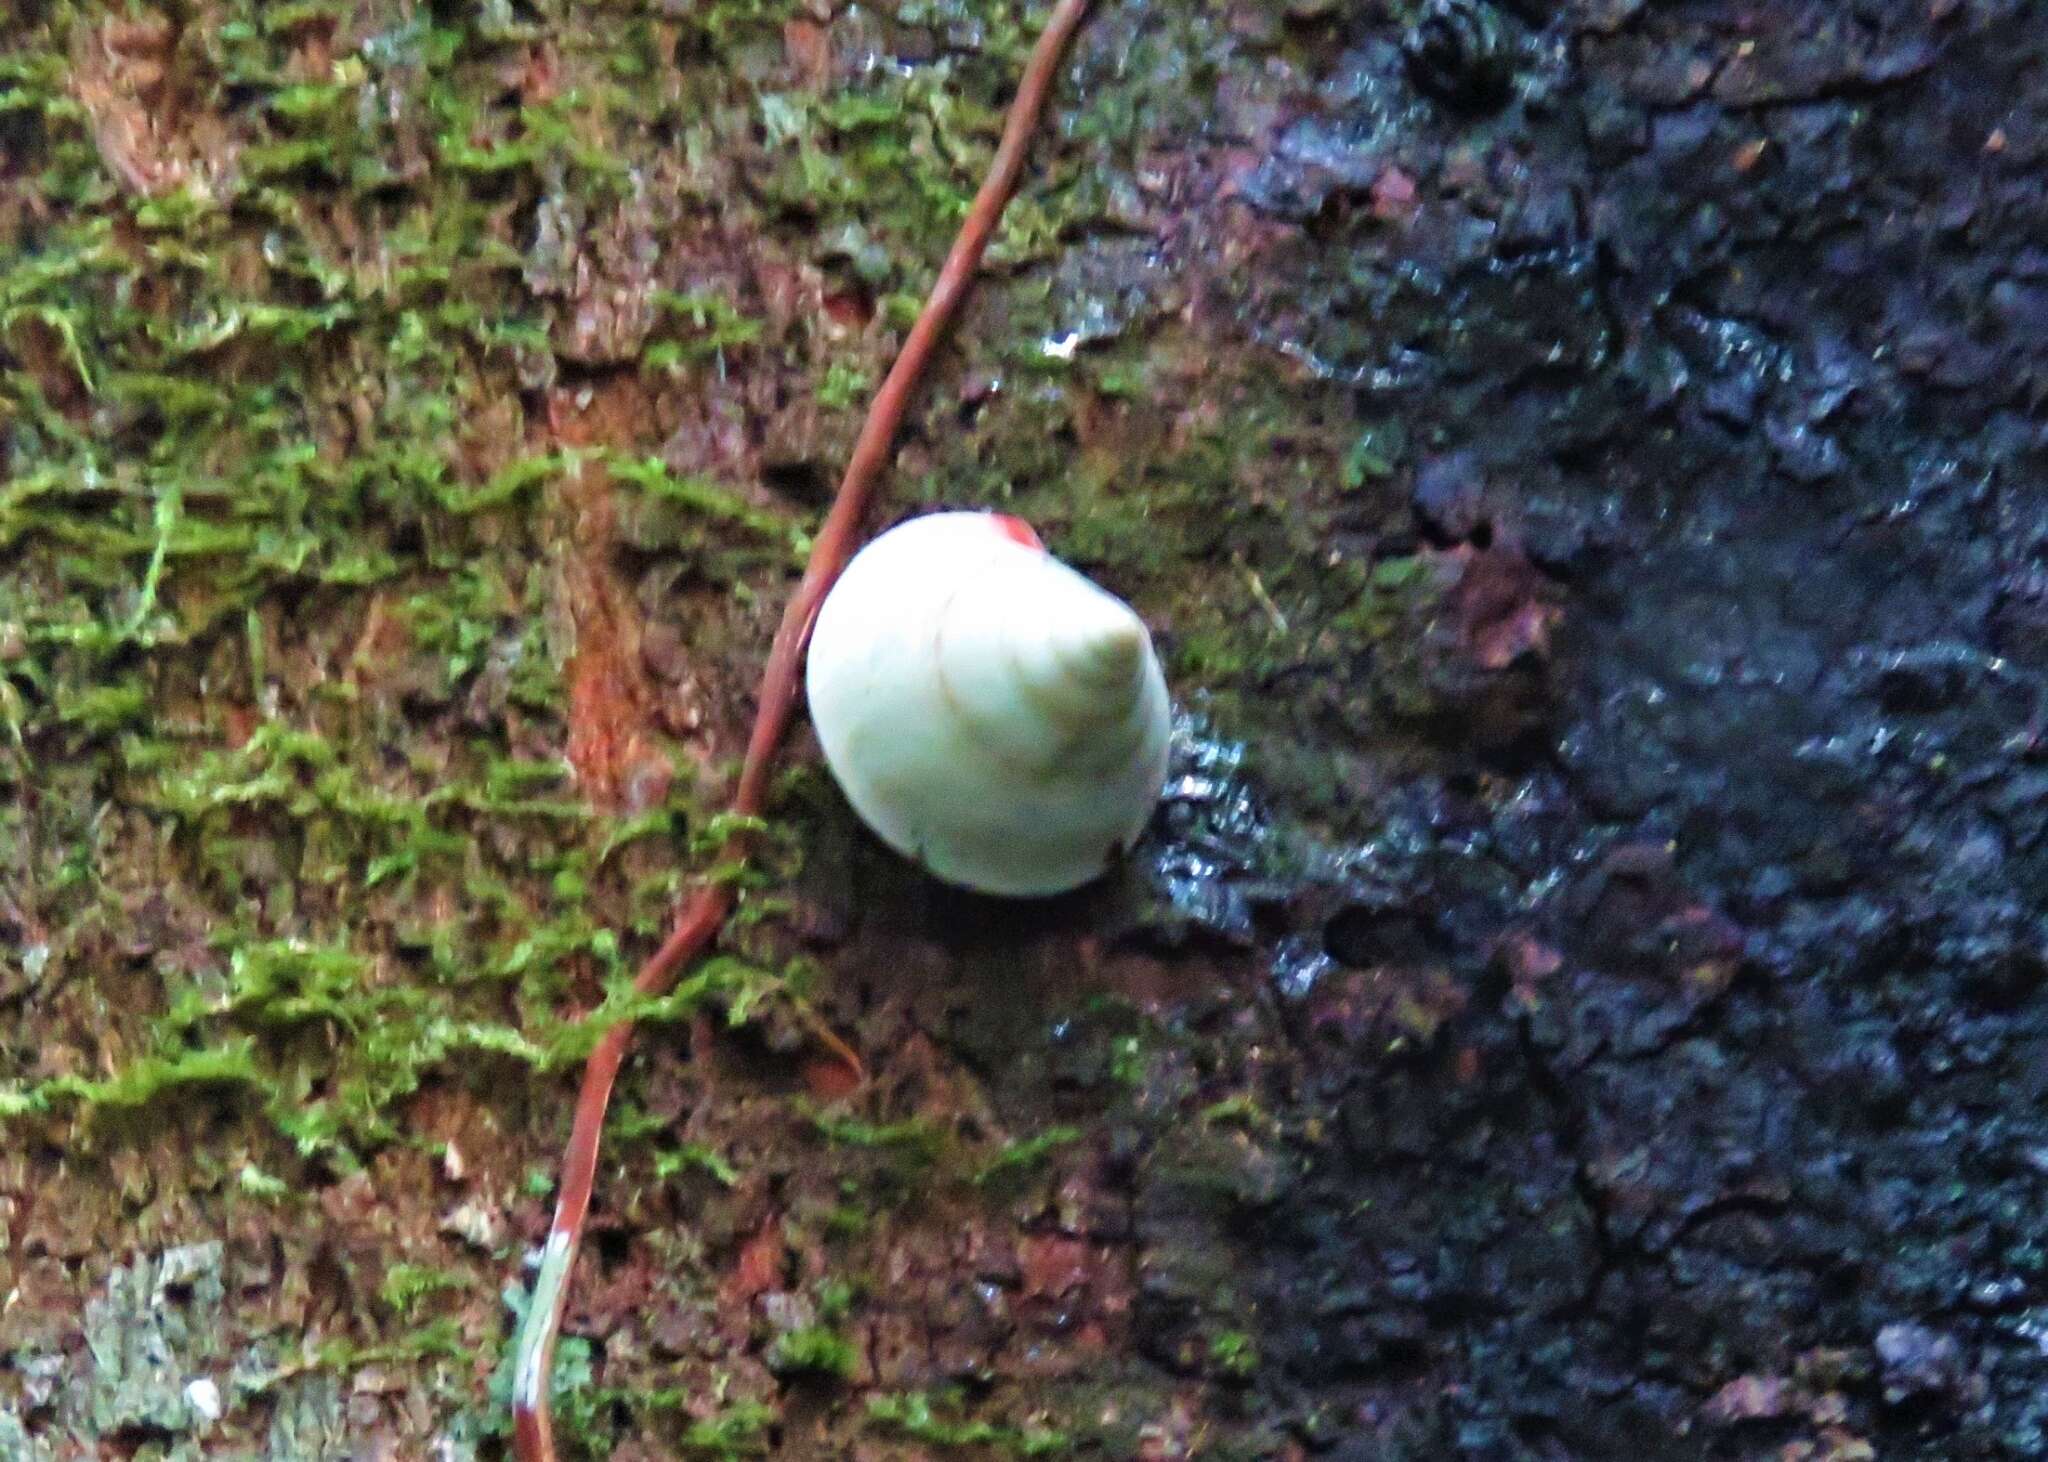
1016,530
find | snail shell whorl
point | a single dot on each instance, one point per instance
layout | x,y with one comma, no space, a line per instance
988,711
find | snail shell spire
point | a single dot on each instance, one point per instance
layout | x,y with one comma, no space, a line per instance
988,711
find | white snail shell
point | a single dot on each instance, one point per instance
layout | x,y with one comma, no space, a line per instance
988,711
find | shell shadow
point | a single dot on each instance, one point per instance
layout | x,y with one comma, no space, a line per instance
968,922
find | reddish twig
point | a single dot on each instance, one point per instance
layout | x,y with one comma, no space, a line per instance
704,913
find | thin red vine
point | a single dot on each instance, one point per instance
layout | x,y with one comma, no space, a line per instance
703,914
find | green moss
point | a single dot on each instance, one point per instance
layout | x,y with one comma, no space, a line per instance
912,1414
740,1430
815,1350
708,323
695,1155
1374,455
914,1138
258,1184
142,1083
844,386
848,1220
1244,1110
104,709
1026,1153
407,1287
1234,1354
701,501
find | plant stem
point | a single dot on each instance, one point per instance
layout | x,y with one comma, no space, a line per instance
703,914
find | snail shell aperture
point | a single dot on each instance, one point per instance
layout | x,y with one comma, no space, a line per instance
988,711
